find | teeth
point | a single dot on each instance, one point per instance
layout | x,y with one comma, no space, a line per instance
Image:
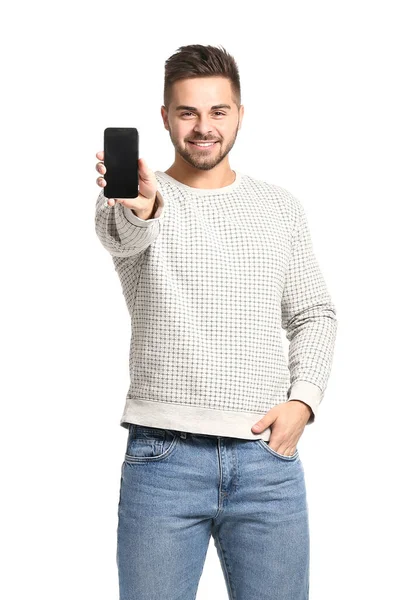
206,144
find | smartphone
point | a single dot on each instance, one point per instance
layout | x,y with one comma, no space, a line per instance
121,162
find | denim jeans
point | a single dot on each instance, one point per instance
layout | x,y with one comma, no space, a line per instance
179,488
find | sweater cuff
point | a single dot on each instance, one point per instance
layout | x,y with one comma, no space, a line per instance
309,393
157,207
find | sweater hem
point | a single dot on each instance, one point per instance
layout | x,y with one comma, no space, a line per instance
193,419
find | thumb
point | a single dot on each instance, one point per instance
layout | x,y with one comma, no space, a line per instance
265,422
144,172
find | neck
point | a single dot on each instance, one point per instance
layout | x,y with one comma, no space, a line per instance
219,176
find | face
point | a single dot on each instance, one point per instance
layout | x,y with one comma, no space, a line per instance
195,114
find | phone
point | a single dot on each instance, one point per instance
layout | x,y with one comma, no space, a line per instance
121,162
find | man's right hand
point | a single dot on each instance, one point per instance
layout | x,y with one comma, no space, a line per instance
143,204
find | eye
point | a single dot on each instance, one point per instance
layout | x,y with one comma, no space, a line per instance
218,112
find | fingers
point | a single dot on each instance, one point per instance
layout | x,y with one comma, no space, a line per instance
100,167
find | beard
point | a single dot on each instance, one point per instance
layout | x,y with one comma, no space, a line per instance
201,160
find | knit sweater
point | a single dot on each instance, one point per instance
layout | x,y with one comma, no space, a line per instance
210,281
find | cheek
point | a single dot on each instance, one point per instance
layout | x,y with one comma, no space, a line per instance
182,133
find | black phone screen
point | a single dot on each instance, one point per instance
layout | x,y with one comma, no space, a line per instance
121,162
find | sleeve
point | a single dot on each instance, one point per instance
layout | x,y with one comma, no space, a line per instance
309,318
119,229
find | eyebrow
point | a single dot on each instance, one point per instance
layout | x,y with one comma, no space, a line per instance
184,107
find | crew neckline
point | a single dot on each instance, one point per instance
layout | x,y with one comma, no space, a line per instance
204,191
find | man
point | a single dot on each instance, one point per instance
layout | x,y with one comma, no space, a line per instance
212,264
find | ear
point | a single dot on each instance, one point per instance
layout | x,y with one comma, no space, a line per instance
164,116
241,116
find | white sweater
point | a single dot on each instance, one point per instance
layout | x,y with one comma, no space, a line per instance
209,282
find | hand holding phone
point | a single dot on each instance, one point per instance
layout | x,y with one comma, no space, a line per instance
147,187
142,205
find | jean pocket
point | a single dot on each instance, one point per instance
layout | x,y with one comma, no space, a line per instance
263,444
146,444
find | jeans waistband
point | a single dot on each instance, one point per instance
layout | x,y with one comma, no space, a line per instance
186,434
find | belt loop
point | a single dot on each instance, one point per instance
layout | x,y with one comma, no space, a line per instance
183,435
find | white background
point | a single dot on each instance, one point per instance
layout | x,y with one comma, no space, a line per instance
315,82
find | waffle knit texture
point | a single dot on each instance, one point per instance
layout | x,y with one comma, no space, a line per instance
210,282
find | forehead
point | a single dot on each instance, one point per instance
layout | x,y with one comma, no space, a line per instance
202,92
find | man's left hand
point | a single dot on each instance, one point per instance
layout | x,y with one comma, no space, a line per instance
290,419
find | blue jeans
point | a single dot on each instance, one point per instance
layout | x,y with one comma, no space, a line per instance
178,488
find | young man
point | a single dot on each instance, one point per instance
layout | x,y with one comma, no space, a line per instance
213,263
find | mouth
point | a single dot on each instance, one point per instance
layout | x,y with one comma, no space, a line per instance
203,145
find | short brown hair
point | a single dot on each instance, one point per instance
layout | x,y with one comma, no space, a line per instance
201,61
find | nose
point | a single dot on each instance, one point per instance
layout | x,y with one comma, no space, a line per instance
202,127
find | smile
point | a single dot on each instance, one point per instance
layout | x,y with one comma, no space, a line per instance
203,144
